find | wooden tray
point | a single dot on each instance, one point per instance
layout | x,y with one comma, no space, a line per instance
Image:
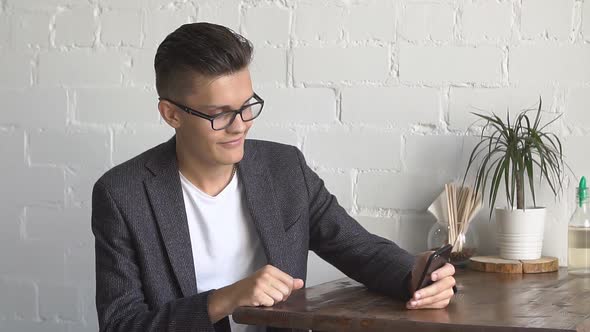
499,265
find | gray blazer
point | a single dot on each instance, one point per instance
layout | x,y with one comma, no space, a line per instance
145,278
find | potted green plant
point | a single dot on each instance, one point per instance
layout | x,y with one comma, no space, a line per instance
512,153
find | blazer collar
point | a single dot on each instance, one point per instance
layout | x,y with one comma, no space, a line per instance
166,198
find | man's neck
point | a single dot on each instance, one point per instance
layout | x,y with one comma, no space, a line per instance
211,179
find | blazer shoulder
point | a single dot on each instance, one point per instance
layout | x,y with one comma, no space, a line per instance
268,149
132,170
285,162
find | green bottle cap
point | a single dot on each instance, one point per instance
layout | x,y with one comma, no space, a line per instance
582,191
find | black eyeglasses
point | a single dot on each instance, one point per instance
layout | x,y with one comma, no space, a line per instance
248,112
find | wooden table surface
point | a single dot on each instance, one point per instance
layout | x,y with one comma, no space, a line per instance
485,302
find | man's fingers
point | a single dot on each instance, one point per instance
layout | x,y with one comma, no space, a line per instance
435,288
273,278
427,302
265,300
292,283
280,275
281,287
274,293
298,283
438,305
446,271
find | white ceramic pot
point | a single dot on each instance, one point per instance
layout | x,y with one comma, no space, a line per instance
520,233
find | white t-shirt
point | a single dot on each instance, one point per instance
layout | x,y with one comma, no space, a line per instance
225,244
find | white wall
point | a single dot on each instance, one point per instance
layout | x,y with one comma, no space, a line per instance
376,94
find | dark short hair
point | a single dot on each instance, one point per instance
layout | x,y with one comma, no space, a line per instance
205,49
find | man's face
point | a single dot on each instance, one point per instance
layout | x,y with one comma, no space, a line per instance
212,96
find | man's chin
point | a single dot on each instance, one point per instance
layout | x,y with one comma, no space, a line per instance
233,157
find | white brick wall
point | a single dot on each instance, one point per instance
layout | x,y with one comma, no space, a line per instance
267,24
75,26
377,94
427,21
333,64
439,64
378,105
566,64
497,25
112,20
551,19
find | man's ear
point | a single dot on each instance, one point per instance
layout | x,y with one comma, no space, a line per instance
169,113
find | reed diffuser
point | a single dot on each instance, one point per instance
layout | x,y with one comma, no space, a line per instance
454,209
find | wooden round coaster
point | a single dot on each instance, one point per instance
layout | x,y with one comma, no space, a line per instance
499,265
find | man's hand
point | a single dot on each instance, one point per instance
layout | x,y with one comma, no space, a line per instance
436,296
265,287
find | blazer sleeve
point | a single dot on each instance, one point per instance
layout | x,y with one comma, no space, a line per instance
340,240
119,298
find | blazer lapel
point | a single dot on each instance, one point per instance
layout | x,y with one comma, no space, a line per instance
261,201
165,195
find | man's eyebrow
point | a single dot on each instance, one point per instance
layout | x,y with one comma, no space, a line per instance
224,106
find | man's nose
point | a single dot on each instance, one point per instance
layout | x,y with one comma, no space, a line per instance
237,126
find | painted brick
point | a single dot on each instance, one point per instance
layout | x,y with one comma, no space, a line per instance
398,191
400,105
78,68
47,224
79,182
450,64
19,299
375,20
568,64
30,29
422,151
301,106
487,20
34,108
464,101
547,18
111,23
577,110
76,26
226,13
33,185
56,300
141,72
35,4
319,23
117,105
339,185
16,69
129,4
427,21
257,21
340,64
129,144
91,148
384,227
586,20
269,65
413,232
326,149
161,22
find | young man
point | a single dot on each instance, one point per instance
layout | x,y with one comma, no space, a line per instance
208,221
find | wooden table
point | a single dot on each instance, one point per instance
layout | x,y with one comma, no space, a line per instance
485,302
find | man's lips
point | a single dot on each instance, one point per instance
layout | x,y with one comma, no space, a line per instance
232,142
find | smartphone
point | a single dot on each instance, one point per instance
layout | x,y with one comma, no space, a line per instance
435,261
